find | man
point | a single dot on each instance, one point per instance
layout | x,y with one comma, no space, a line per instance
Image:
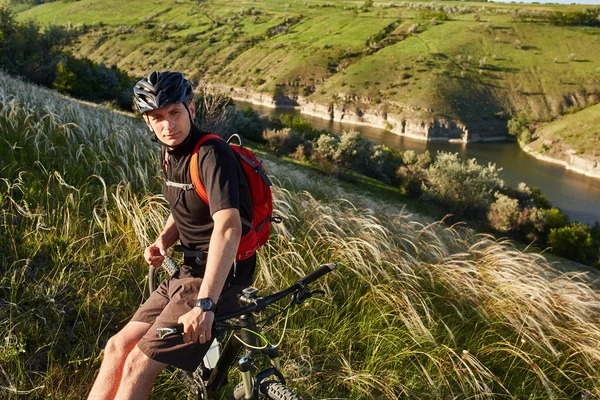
210,278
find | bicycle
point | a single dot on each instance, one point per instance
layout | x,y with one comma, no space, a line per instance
239,330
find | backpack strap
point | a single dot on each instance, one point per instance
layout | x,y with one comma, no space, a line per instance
195,170
182,186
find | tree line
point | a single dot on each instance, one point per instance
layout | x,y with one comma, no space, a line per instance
41,56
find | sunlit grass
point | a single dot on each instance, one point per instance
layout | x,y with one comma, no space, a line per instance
417,309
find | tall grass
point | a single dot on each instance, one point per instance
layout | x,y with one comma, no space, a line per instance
418,309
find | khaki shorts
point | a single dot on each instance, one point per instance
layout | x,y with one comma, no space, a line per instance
168,302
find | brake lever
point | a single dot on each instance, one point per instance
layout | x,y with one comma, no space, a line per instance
304,294
163,332
169,331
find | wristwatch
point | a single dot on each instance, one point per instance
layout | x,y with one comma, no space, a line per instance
206,304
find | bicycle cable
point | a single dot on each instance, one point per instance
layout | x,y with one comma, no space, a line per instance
259,335
287,316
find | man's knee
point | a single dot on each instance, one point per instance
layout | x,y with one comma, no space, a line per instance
138,363
120,344
114,349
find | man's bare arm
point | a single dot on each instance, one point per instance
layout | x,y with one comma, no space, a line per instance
222,250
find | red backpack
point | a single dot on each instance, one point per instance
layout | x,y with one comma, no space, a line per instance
260,191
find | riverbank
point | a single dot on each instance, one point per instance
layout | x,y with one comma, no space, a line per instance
580,165
422,129
573,141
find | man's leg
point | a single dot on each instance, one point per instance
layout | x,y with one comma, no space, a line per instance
138,376
116,352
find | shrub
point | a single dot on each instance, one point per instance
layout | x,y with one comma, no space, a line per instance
412,173
303,152
409,157
504,213
518,127
463,188
284,141
573,241
589,17
324,152
555,219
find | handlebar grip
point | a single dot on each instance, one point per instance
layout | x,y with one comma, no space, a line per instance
319,272
170,266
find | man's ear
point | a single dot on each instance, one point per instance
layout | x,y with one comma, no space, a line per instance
192,108
147,121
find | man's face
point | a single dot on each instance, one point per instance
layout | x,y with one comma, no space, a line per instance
171,123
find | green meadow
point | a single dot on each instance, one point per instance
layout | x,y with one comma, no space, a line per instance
475,63
418,309
578,132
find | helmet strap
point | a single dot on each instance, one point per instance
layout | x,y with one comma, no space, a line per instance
189,114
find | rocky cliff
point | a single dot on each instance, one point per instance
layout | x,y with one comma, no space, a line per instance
427,129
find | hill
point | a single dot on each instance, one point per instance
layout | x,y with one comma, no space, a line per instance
573,140
418,309
435,71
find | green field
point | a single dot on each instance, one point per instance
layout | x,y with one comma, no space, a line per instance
484,63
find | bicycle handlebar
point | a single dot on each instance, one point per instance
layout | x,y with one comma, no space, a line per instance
260,303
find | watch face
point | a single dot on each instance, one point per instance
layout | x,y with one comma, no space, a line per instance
206,304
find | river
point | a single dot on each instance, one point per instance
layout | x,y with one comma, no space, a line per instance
575,194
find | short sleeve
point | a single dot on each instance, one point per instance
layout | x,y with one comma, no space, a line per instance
218,174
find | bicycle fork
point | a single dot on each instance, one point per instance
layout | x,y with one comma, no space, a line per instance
245,362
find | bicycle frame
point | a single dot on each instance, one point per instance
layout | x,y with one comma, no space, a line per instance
231,349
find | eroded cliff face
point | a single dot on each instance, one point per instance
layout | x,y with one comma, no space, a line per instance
409,125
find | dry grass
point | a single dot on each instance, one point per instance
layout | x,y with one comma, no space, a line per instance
418,309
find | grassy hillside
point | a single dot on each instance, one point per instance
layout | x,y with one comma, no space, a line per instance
474,63
417,309
577,133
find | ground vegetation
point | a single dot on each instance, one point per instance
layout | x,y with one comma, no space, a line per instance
418,309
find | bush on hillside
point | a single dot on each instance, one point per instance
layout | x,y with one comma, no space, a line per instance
297,124
249,124
574,242
324,151
429,14
411,173
504,213
39,55
465,189
283,141
555,219
85,79
518,127
27,51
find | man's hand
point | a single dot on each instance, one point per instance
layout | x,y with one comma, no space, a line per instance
155,254
197,325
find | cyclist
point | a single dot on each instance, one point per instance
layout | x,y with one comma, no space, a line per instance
209,278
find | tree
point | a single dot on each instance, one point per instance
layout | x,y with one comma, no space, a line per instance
26,51
65,80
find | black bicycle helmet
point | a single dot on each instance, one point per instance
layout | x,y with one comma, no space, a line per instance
161,89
